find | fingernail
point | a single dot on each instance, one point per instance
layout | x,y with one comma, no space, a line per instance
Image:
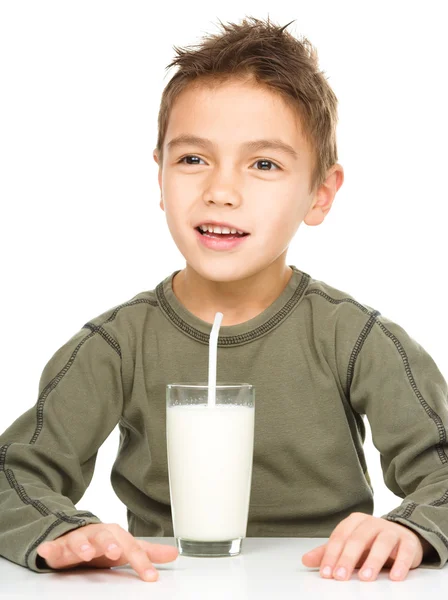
112,546
367,573
341,572
150,574
326,571
85,547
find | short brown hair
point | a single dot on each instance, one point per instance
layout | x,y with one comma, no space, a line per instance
274,58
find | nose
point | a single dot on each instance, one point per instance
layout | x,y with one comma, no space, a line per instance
222,194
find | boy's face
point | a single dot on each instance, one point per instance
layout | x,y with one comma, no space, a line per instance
227,182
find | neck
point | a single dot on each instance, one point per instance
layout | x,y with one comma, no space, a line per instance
238,300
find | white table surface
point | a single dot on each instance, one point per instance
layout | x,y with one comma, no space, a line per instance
267,568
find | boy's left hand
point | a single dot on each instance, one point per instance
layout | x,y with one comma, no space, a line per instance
371,543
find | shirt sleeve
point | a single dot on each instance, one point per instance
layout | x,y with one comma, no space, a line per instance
395,382
48,454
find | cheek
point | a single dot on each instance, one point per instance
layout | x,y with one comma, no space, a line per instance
173,187
285,220
174,217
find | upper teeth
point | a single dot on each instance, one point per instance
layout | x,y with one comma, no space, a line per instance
217,229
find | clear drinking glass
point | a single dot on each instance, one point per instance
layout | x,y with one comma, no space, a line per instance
210,454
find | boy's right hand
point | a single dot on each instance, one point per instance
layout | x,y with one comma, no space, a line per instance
65,551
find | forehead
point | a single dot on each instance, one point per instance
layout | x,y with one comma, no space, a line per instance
234,109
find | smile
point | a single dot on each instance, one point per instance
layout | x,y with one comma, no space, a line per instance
220,241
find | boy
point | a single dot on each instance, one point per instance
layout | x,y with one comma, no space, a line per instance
319,360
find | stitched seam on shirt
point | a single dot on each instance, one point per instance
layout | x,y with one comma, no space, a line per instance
62,518
231,340
357,349
413,505
428,409
395,517
442,500
338,301
431,413
106,336
39,506
97,329
52,385
41,539
409,510
130,303
362,336
19,489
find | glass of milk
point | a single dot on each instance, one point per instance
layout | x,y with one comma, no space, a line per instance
210,453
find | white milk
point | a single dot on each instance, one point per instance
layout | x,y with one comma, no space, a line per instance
210,453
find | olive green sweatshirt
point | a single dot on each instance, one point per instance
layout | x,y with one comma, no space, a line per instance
320,362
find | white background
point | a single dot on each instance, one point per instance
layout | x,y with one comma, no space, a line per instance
81,228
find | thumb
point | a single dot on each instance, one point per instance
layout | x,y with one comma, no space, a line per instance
52,552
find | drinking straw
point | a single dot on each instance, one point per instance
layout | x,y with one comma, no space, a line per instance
212,359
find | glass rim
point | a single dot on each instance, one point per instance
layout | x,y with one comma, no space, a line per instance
204,386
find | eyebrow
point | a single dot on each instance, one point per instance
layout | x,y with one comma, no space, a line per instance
273,144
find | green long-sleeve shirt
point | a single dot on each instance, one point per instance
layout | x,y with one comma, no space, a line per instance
319,361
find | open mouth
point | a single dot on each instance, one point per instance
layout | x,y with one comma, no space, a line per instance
221,235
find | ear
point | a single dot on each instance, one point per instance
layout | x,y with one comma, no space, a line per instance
323,199
159,176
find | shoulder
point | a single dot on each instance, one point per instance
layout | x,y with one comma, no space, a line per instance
337,314
338,325
126,318
340,319
334,302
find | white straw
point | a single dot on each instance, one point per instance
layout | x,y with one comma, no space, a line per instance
212,359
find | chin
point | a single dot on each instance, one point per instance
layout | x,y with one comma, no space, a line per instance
225,271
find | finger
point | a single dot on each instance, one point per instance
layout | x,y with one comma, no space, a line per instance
380,551
407,550
136,555
313,557
51,552
57,555
336,543
378,544
79,546
159,553
100,543
105,544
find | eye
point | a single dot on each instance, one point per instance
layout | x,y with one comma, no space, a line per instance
265,160
189,156
261,160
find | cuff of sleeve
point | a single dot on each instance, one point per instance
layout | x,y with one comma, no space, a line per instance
37,563
438,556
